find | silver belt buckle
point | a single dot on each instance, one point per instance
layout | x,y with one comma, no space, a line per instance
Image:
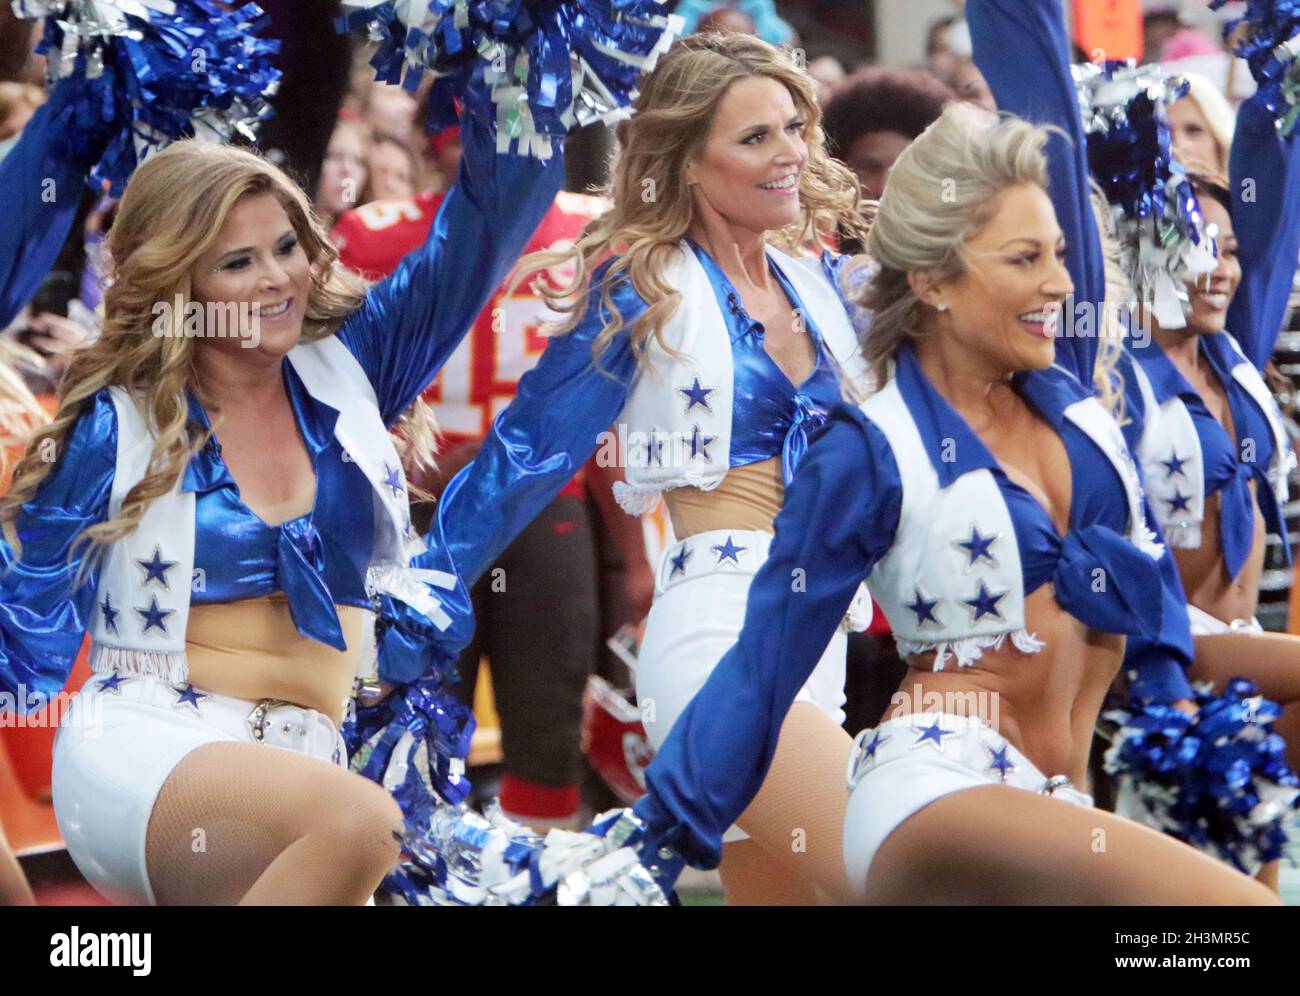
1055,782
257,719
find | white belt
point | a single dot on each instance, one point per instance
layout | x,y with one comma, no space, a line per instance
270,721
741,552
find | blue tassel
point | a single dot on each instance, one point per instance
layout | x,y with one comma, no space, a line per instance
148,72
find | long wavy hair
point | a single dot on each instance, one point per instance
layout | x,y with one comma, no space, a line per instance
673,115
171,215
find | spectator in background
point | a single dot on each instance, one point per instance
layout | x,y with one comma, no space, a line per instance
828,73
967,82
1158,26
390,110
724,19
875,114
391,170
343,173
1202,124
940,56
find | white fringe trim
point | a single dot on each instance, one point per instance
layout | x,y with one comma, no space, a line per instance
1184,537
634,500
1147,541
167,665
967,650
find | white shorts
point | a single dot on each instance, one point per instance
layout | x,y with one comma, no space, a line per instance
696,617
116,747
1204,624
899,768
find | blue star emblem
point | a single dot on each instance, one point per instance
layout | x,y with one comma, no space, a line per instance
1174,465
697,395
1178,503
679,561
1000,763
729,551
393,478
154,617
866,752
189,695
155,569
978,547
924,608
110,613
700,443
877,741
985,603
654,448
932,735
113,683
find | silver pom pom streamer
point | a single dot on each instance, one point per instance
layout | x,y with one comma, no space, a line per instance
1165,240
536,68
464,859
1270,45
148,72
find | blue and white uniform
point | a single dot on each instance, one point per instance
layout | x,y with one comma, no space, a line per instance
344,391
706,399
950,548
1185,451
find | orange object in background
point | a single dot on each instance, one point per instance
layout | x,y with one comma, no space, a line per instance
1108,29
26,755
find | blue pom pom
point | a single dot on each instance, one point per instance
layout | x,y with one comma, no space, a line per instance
536,69
1269,45
134,75
1218,780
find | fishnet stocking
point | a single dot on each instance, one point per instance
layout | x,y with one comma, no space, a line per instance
255,825
796,822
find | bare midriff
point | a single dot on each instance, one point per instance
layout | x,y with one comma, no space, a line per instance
748,498
1205,574
252,650
1046,704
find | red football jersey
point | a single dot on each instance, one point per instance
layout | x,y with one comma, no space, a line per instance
480,377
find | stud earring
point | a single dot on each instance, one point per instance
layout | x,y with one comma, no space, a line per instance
941,306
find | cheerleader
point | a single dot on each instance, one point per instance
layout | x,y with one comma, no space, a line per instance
1211,495
713,354
989,499
218,508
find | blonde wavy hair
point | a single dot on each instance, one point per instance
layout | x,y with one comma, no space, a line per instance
673,116
171,215
943,189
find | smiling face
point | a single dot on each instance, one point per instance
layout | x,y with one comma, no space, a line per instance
1210,295
1005,308
256,261
748,171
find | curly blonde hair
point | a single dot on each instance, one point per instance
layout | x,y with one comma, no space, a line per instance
673,115
171,215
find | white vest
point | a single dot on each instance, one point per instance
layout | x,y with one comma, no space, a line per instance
672,439
146,577
925,561
1168,431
